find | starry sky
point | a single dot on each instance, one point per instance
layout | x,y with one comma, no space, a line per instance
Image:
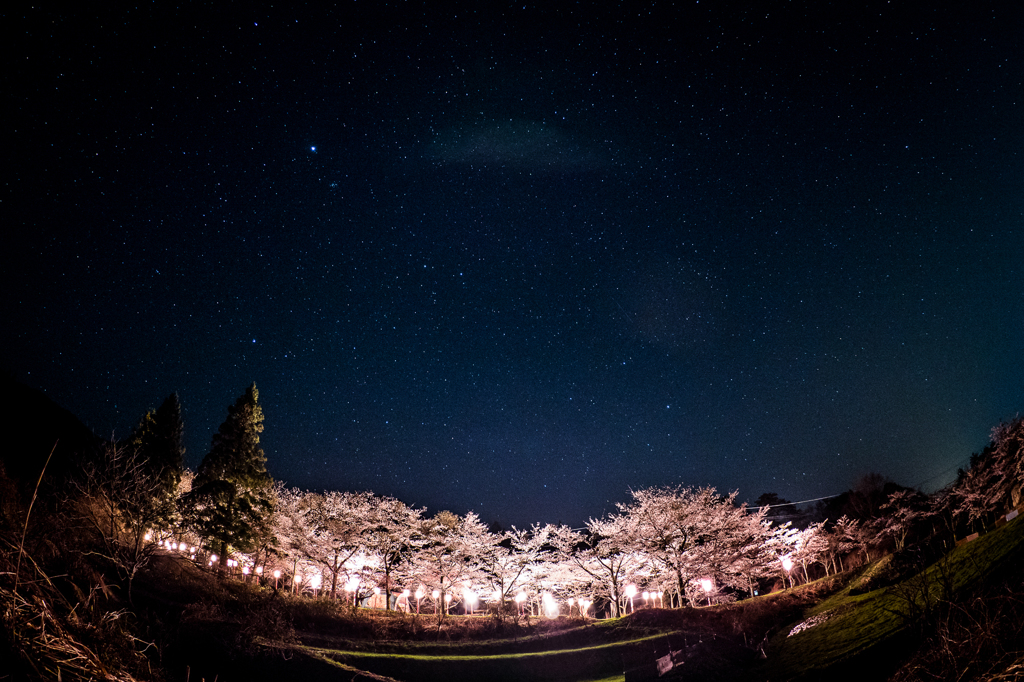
522,259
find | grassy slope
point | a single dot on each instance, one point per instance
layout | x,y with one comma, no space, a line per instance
865,633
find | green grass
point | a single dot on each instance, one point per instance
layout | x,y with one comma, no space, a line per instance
603,661
869,629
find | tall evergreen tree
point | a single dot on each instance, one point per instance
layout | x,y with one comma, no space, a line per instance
158,442
232,496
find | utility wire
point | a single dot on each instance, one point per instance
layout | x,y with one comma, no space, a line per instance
790,504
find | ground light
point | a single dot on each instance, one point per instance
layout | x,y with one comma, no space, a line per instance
550,606
708,585
353,586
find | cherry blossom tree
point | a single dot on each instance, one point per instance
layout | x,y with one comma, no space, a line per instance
563,580
809,546
1008,464
607,553
841,540
290,526
976,493
512,560
901,513
695,533
781,544
448,553
391,534
335,522
759,559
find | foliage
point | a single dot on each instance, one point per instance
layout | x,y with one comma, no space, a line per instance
389,534
694,532
449,554
512,561
232,499
606,554
64,627
158,443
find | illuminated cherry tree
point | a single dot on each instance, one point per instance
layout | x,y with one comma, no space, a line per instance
448,553
809,546
335,522
391,534
902,512
291,529
512,560
841,540
606,553
695,533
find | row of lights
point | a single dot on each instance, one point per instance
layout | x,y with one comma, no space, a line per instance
631,592
469,596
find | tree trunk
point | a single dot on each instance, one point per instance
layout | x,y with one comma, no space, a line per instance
222,565
680,586
334,577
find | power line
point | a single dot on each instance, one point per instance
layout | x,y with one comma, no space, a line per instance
790,504
943,473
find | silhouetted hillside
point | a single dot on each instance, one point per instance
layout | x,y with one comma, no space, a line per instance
32,424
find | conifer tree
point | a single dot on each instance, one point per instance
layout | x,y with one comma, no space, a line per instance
232,497
157,441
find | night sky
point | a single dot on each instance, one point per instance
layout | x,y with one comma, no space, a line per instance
521,260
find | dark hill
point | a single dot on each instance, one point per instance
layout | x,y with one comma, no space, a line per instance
33,425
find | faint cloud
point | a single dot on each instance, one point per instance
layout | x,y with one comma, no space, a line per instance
513,144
